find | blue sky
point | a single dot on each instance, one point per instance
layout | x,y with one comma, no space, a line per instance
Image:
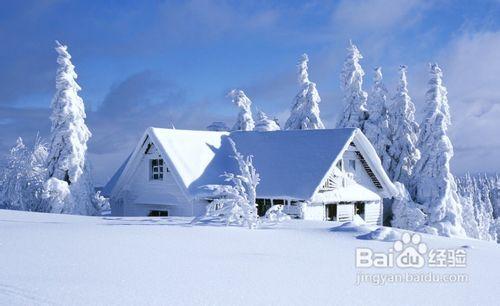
158,63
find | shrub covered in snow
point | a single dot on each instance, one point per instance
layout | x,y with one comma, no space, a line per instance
265,124
275,214
21,181
305,110
236,203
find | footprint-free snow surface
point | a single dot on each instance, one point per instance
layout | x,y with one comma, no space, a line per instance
71,260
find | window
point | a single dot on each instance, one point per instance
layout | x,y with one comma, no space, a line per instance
158,213
359,208
157,169
352,164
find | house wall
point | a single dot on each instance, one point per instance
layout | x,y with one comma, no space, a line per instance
314,212
374,212
144,194
359,174
345,212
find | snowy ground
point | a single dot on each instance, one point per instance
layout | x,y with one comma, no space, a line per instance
72,260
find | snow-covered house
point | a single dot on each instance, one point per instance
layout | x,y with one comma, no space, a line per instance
329,174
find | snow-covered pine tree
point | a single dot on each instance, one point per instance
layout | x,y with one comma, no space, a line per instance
404,130
23,178
265,124
68,145
495,196
434,185
354,97
484,210
305,110
236,203
466,192
245,120
376,127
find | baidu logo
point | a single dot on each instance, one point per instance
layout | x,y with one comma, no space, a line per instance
409,252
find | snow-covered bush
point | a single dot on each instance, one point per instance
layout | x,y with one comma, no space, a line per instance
57,194
354,97
433,184
245,120
376,128
305,110
404,130
236,203
265,124
22,179
275,214
406,214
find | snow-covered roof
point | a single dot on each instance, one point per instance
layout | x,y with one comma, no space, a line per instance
291,163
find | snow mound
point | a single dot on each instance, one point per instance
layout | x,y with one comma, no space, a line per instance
356,225
381,234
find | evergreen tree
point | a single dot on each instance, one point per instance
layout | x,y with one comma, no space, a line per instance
377,126
466,191
68,145
355,109
245,120
305,111
484,210
404,130
434,185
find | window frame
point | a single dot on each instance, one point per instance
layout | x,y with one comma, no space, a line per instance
157,169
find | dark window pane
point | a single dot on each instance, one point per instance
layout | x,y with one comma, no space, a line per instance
161,176
160,162
154,162
155,176
161,169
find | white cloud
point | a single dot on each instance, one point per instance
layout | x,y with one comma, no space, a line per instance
472,74
376,14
